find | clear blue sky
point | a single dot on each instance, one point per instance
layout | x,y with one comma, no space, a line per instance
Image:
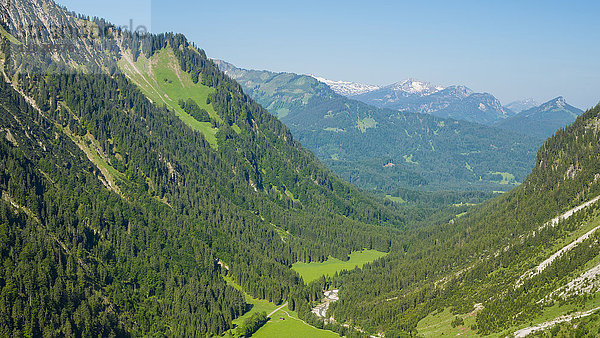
512,49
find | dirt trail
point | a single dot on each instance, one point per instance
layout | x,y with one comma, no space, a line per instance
277,309
543,265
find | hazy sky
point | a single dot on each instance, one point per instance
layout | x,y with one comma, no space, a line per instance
512,49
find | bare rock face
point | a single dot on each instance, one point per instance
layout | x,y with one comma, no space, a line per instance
43,32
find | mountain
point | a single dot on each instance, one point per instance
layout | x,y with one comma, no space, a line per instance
406,88
387,149
143,193
521,105
139,182
457,102
542,121
347,88
525,262
476,107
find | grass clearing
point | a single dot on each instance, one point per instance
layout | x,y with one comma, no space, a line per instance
440,324
314,270
291,326
258,305
161,79
395,199
409,159
507,178
366,123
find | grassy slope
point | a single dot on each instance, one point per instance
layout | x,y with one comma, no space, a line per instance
440,323
10,38
258,305
312,271
163,82
292,326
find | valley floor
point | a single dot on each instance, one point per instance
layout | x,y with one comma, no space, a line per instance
285,323
314,270
282,323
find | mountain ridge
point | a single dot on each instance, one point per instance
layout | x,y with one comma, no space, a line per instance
346,88
543,120
356,140
458,102
521,105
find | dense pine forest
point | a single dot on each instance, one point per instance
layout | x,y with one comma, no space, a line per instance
480,257
120,216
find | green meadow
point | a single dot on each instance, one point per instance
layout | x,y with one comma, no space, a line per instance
440,324
314,270
163,82
290,326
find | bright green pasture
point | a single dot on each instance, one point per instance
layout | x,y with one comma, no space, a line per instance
314,270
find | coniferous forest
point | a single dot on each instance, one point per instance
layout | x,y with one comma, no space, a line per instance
119,217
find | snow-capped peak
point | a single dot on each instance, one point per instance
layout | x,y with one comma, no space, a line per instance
414,86
555,103
346,88
560,101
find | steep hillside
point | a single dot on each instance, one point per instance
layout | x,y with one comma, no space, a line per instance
542,121
385,149
135,175
517,261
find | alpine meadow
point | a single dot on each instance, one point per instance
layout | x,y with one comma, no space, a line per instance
151,190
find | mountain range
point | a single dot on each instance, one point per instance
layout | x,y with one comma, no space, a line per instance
347,88
457,102
386,149
141,189
412,95
144,192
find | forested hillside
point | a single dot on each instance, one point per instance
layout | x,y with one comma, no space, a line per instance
136,178
505,262
387,149
121,215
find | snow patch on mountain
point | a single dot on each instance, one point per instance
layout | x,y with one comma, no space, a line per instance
414,86
346,88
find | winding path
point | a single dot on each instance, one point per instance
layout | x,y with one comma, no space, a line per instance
277,309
